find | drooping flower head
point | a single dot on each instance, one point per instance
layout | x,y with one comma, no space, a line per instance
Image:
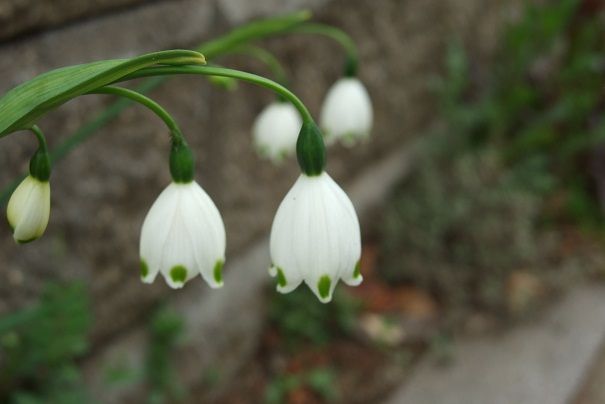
28,209
183,234
315,235
346,114
276,129
315,238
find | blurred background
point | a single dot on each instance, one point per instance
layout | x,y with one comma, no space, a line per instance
481,195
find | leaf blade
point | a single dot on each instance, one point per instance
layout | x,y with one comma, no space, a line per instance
21,106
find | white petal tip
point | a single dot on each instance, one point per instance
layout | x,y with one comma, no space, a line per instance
357,278
217,274
325,300
214,285
177,277
324,289
354,281
25,241
147,280
146,276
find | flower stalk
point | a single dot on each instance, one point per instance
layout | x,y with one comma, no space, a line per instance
315,236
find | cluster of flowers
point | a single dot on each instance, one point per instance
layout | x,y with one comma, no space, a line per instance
346,116
315,235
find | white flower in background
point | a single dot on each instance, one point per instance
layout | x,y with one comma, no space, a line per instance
346,114
276,129
183,235
29,209
315,238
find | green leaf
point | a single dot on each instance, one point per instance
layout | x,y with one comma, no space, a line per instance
24,104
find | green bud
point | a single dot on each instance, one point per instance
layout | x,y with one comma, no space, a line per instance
310,149
181,162
39,165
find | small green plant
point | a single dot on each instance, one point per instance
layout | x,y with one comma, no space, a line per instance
459,228
39,347
300,320
320,381
525,134
165,329
542,105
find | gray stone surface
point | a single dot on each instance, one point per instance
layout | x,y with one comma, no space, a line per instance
22,16
593,388
541,362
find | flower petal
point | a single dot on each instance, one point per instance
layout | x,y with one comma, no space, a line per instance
276,129
346,113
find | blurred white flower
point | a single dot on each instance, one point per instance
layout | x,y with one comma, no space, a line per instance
276,129
315,238
346,114
28,209
183,235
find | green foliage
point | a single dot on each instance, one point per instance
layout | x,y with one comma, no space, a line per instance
321,381
165,329
301,318
40,345
459,226
542,102
510,141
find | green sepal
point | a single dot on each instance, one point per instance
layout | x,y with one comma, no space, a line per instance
39,165
310,149
182,164
351,67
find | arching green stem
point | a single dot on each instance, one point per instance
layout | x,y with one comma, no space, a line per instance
222,45
156,108
181,158
310,148
268,59
225,72
39,164
40,136
352,62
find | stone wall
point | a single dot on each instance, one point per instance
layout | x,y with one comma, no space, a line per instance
102,191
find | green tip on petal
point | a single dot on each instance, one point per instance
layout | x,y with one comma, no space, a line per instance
324,286
144,269
178,274
26,241
281,278
218,271
357,271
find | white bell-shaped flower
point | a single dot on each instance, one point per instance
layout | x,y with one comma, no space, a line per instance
183,235
276,129
346,114
28,209
315,238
